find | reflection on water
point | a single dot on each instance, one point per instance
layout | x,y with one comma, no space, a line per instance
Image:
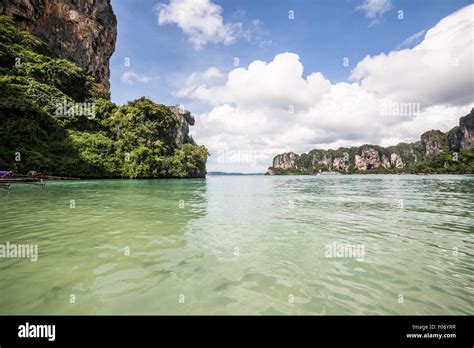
240,245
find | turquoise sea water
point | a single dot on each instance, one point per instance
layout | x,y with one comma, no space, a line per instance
241,245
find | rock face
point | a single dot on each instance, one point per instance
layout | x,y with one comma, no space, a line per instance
434,142
396,161
83,31
462,136
322,160
368,159
454,139
185,120
340,163
466,130
285,160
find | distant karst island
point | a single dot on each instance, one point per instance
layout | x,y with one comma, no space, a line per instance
435,152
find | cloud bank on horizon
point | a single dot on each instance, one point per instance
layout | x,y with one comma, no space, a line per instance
270,107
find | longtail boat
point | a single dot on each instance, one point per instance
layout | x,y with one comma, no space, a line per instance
9,177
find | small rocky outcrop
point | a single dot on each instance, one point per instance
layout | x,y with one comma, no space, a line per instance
434,143
270,172
454,139
82,31
340,163
368,159
322,160
396,161
385,161
466,130
285,160
462,137
185,120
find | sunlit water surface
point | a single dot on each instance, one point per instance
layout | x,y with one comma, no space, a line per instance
241,245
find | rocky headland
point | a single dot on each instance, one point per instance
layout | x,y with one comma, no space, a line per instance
56,116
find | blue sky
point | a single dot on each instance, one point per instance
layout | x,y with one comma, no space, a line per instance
183,52
322,34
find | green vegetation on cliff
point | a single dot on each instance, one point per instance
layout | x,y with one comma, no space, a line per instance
55,119
436,152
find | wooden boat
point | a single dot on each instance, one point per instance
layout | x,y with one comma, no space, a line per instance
8,177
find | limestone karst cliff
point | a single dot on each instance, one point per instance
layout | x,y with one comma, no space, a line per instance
186,119
462,136
82,31
436,151
434,142
285,160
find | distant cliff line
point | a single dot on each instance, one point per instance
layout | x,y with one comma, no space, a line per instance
436,152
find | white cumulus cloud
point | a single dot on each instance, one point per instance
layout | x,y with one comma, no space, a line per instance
278,83
200,20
